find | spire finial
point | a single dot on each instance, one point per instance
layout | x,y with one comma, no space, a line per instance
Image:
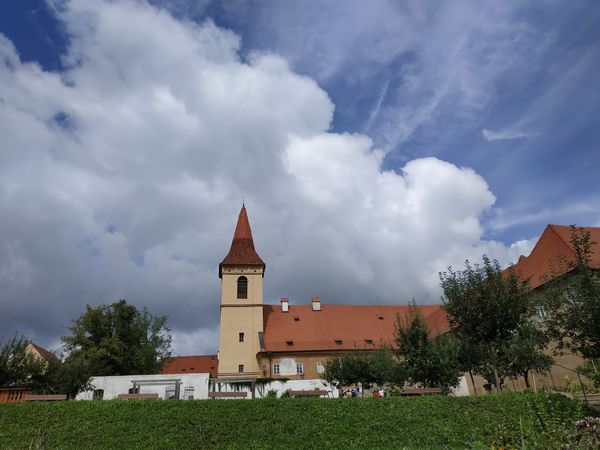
243,200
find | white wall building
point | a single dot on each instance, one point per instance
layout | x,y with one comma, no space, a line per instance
190,386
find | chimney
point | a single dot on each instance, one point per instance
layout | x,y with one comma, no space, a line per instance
285,304
316,303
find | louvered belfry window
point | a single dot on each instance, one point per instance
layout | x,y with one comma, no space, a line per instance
242,287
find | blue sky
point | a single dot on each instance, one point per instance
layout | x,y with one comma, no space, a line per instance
376,143
542,107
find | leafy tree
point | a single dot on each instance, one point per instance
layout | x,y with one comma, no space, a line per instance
433,363
574,301
378,366
524,352
349,368
117,339
486,308
385,368
17,365
69,377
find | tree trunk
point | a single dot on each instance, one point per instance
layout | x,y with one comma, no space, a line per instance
496,378
473,382
526,375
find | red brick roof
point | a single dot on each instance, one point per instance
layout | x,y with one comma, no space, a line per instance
192,364
46,354
339,327
552,254
242,250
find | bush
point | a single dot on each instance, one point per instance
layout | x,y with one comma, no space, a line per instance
507,420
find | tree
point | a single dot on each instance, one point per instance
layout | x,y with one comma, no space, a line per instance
433,363
486,308
524,352
573,301
379,366
117,339
17,364
68,377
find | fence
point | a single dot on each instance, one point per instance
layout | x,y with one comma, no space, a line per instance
13,395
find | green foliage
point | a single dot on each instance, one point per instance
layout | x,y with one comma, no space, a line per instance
524,352
118,339
573,301
377,366
432,363
69,377
533,421
591,369
489,312
17,365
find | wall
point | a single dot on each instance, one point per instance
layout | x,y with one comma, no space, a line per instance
115,385
261,390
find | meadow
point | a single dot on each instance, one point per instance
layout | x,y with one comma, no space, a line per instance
512,420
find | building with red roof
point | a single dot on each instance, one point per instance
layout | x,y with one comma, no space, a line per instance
288,340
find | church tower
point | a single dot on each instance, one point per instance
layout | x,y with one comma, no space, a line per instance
241,331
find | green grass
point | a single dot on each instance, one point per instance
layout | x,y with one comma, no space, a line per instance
507,420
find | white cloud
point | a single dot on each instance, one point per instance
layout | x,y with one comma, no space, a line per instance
503,134
122,178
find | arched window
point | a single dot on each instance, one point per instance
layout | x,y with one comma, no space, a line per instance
242,287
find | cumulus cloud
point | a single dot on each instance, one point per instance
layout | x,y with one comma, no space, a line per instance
122,176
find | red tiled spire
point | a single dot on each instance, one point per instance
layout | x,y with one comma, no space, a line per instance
242,252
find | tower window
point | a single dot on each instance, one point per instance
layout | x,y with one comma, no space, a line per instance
240,368
242,287
241,337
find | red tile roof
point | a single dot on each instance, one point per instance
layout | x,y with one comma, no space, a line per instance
46,354
242,250
339,327
552,254
192,364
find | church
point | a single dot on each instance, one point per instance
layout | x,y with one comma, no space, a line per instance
288,340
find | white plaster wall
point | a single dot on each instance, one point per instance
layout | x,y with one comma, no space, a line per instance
115,385
281,386
462,390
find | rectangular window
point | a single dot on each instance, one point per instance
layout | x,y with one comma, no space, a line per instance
541,313
276,370
300,368
241,337
320,367
188,393
240,368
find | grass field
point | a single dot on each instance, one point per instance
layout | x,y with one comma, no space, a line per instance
507,420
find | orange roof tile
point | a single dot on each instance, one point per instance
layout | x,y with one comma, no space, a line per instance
339,327
192,364
242,250
551,255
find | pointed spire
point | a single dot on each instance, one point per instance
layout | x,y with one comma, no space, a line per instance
242,252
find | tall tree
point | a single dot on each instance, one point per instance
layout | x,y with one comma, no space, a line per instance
486,306
433,363
573,301
118,339
524,352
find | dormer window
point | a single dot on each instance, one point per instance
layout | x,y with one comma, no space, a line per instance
338,341
369,341
242,287
289,343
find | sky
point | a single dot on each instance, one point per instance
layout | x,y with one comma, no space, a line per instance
374,143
